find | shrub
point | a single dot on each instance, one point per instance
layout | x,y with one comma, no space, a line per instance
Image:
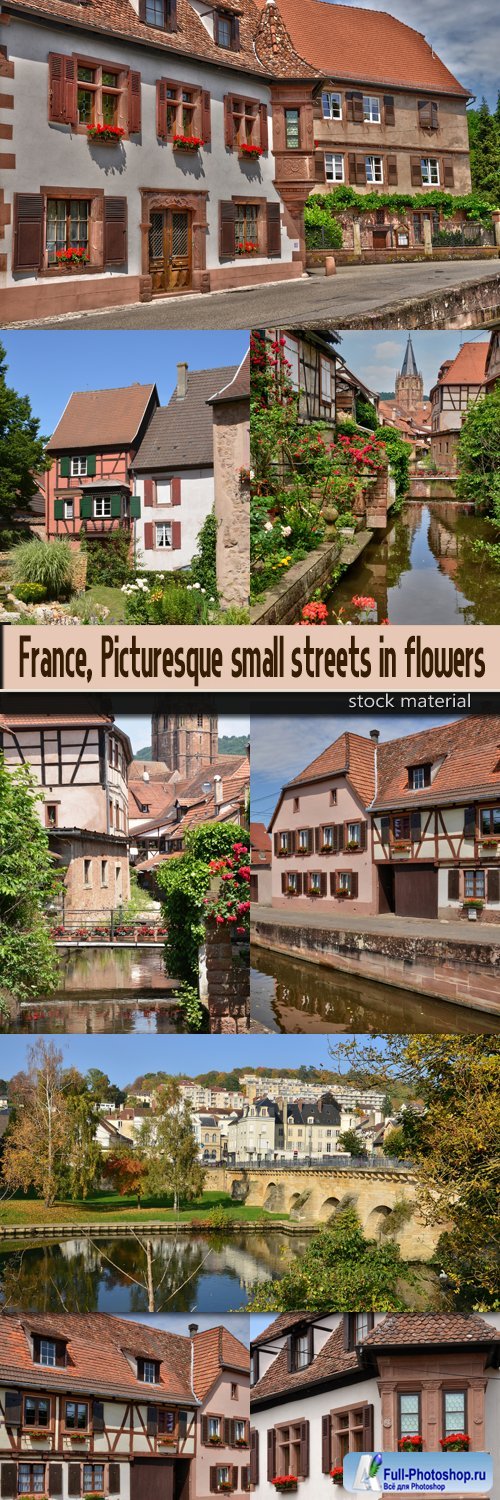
168,603
109,563
46,563
31,593
203,567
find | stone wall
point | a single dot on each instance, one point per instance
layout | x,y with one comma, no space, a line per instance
232,501
224,980
475,304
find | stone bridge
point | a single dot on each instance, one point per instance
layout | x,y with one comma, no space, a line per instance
312,1194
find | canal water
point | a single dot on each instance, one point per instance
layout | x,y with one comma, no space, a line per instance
287,995
106,990
423,571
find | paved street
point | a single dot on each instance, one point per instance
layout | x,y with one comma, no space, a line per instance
473,932
313,301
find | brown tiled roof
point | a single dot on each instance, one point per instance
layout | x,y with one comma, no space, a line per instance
216,1349
351,43
430,1328
102,418
471,762
180,435
333,1359
153,794
237,388
469,366
260,843
351,754
157,770
51,721
96,1360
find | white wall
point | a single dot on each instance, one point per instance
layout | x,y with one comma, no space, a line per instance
197,498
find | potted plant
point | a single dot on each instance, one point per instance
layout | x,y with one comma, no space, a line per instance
248,149
353,844
285,1482
187,142
456,1442
73,256
337,1474
109,134
215,1439
489,843
247,247
412,1443
473,903
314,892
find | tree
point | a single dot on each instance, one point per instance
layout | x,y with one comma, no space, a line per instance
396,1143
84,1156
22,452
168,1144
36,1150
184,884
484,140
28,960
479,454
340,1268
126,1168
352,1143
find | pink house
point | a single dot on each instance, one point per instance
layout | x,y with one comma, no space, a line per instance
90,483
222,1381
321,831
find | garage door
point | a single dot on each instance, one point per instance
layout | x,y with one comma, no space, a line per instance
152,1479
416,891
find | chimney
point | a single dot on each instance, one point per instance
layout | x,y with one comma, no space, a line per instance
192,1329
145,775
218,793
182,380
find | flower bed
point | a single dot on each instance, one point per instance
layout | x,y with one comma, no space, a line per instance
187,142
106,133
456,1442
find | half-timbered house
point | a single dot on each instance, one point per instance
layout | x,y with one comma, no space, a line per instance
459,384
103,1407
80,763
89,485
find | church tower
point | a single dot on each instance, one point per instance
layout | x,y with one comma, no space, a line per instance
186,742
409,382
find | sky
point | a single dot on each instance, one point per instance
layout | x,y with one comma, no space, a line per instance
49,366
465,36
124,1060
271,767
237,1323
138,727
377,357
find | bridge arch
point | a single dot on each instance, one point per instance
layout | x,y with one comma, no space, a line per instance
377,1219
274,1197
329,1207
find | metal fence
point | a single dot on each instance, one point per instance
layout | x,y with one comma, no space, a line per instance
465,236
81,925
344,1163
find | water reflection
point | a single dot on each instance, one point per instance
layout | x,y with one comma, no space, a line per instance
106,990
288,995
423,571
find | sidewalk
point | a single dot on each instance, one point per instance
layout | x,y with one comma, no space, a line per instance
382,926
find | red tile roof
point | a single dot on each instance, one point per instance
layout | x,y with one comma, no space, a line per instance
235,389
430,1328
333,1359
351,43
260,843
96,1358
352,755
217,1349
103,418
469,366
470,751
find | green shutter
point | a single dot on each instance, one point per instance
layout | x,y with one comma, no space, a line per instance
64,467
91,465
59,510
135,507
116,507
86,507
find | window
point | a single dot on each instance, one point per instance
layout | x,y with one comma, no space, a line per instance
430,171
419,777
93,1478
302,1356
304,838
222,1476
68,510
36,1411
102,507
292,882
214,1427
283,843
315,881
408,1413
292,129
164,492
490,821
99,95
234,1393
48,1352
327,837
162,13
344,881
363,1322
31,1479
76,1416
78,465
226,31
291,355
296,804
326,380
183,111
334,167
166,1421
351,1431
401,826
67,226
245,227
51,814
353,833
239,1431
104,872
454,1412
475,884
246,122
333,797
149,1371
289,1448
374,169
332,105
163,534
87,880
371,109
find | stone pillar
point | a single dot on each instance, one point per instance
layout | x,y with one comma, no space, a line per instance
427,237
232,500
496,226
356,235
226,981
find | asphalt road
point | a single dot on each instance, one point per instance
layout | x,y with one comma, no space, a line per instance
476,933
312,301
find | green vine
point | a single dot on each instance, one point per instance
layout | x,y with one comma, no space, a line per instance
474,205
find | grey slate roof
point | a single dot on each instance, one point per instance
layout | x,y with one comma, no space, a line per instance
180,435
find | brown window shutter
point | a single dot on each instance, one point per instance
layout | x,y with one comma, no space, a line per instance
363,835
148,536
332,882
361,171
264,128
55,1485
448,173
176,536
114,1479
357,108
416,171
434,115
367,1428
493,885
227,231
310,840
319,167
142,10
424,113
213,1480
149,491
304,1450
175,491
13,1406
57,112
323,886
70,91
115,231
171,15
254,1456
206,117
276,843
235,34
134,103
271,1454
427,775
98,1416
389,112
453,885
290,1354
392,171
385,829
161,109
351,162
326,1443
228,121
74,1480
8,1480
245,1477
415,824
470,823
228,1431
317,832
204,1430
284,883
292,841
299,884
152,1421
60,1353
354,884
28,231
340,836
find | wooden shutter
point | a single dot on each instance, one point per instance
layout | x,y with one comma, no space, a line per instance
317,835
448,173
361,171
363,835
204,1430
114,1479
254,1456
135,507
175,491
299,884
98,1416
148,536
434,115
176,536
149,491
213,1479
116,507
245,1477
424,113
86,515
228,121
74,1480
323,883
304,1450
183,1424
227,229
161,108
171,15
367,1428
64,466
415,823
351,167
326,1443
389,113
62,90
357,108
385,828
392,171
493,885
264,128
349,106
91,465
58,510
271,1453
152,1421
228,1432
13,1408
206,117
470,823
292,841
284,882
290,1353
453,885
340,837
416,171
427,775
319,167
28,231
276,843
134,103
273,212
354,885
8,1480
55,1480
235,34
115,231
60,1353
333,875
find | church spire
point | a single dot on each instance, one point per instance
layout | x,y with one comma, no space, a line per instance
409,366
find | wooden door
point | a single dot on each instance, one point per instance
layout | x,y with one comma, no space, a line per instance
152,1479
416,890
170,249
385,888
379,239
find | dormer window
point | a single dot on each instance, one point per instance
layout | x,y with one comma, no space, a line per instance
300,1348
226,31
148,1370
49,1352
356,1327
159,13
419,776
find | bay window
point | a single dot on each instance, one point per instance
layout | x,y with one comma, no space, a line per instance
102,507
292,129
408,1414
454,1412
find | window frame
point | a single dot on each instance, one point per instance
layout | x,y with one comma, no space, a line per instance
69,508
176,105
94,1487
478,878
400,1393
104,501
78,459
96,87
346,1430
288,111
163,526
247,213
30,1465
368,117
457,1391
375,181
430,181
48,1364
74,1401
66,197
335,156
37,1422
331,94
491,832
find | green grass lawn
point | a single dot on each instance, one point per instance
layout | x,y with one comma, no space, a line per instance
110,1207
112,599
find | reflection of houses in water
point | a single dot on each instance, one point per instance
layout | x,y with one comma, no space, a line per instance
443,542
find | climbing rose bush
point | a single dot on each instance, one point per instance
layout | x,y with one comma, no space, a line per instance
231,907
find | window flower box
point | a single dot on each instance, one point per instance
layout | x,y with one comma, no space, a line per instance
187,142
166,1441
411,1444
353,845
326,849
38,1433
248,150
108,134
337,1474
398,848
314,893
215,1442
71,259
285,1482
77,1437
247,247
473,903
456,1442
490,844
